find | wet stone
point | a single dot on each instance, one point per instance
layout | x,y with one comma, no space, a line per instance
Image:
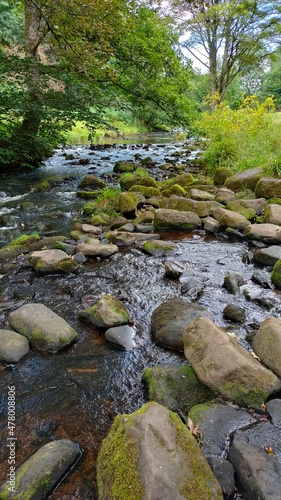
173,269
234,313
121,336
224,472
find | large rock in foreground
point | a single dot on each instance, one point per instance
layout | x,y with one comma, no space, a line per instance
151,454
222,364
106,313
45,330
52,261
169,320
269,233
39,474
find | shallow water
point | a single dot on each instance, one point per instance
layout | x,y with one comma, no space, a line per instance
78,392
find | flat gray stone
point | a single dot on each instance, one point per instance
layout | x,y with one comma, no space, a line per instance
13,346
45,330
122,336
97,250
267,256
52,261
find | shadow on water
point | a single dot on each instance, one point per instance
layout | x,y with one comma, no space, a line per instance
77,393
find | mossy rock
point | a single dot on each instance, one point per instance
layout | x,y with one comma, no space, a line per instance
87,195
276,274
159,247
102,219
17,246
174,190
182,180
123,166
176,387
151,454
106,313
128,203
238,207
42,186
93,182
147,192
89,208
148,181
128,180
221,174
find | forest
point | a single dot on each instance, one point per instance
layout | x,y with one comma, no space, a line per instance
139,65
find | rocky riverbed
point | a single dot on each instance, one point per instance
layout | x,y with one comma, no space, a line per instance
195,247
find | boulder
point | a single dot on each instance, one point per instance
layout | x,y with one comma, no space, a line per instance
169,320
146,191
159,248
201,208
123,166
241,207
93,182
246,179
228,218
199,195
217,423
175,219
182,180
121,336
106,313
97,250
224,472
267,344
226,367
45,330
267,256
273,214
258,472
128,181
124,239
52,261
37,477
269,233
128,203
13,347
221,174
224,196
147,181
174,190
176,387
234,313
89,228
276,274
268,187
212,225
151,454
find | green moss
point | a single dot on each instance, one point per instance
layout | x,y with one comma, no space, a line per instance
89,208
147,192
151,382
87,194
117,475
175,190
236,392
42,186
198,413
182,180
276,274
274,201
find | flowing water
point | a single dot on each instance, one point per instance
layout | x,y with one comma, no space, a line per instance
77,393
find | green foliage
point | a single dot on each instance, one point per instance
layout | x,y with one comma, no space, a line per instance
243,138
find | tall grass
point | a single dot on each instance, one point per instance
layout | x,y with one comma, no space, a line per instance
245,138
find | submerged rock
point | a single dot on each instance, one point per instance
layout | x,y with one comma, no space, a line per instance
176,387
44,329
151,454
39,474
106,313
225,366
13,346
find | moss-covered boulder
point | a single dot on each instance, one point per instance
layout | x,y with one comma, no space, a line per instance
129,202
228,218
159,248
44,329
146,191
52,262
176,387
276,274
226,367
101,219
246,179
268,187
128,180
89,208
144,217
175,190
148,181
123,166
182,180
18,245
92,182
151,454
267,344
201,208
126,239
37,477
273,214
221,174
175,219
108,311
241,207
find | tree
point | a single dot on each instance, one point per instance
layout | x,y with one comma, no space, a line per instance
271,85
77,56
228,36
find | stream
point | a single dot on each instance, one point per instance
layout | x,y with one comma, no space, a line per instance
77,393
